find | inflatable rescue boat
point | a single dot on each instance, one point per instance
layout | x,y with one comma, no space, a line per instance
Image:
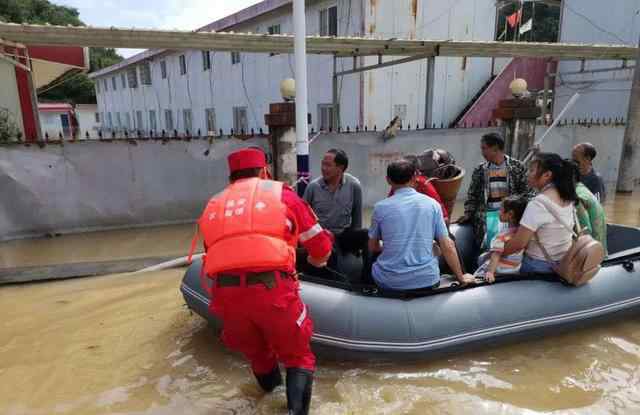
358,321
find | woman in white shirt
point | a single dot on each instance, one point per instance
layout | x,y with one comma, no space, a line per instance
553,178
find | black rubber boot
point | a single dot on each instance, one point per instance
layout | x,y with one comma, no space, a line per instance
271,380
299,385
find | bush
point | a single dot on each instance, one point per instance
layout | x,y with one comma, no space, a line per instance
9,131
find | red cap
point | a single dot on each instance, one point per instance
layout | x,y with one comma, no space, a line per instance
247,158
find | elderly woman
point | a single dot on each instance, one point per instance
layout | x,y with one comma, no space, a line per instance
545,230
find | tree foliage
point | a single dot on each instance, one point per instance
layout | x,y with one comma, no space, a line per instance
78,88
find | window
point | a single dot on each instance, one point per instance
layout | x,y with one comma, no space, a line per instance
183,65
163,69
235,57
168,120
152,120
400,110
325,116
329,21
139,124
119,120
145,73
123,78
105,83
240,119
97,117
113,83
132,77
210,116
110,119
186,119
274,30
206,60
127,118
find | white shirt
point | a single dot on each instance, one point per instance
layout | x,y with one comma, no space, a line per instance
554,236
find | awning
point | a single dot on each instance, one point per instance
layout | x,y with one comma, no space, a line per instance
340,46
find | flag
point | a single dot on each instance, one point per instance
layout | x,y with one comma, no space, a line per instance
527,26
515,18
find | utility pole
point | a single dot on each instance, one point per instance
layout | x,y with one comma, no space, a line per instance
630,159
302,132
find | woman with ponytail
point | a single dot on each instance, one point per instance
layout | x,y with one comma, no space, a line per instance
545,228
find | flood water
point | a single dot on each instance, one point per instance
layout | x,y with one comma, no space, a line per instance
125,344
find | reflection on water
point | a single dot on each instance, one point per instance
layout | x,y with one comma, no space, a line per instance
98,246
124,344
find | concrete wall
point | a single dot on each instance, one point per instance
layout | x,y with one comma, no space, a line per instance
96,185
9,98
456,80
90,185
607,140
606,94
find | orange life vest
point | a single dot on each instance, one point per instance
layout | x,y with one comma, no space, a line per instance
246,228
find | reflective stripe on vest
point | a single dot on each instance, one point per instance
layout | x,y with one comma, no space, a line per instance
246,227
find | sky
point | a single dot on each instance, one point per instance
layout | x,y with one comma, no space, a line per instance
154,14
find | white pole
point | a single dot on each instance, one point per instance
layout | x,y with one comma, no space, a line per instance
300,51
570,104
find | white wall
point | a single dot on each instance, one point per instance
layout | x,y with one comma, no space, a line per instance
51,124
9,98
603,95
86,115
454,86
365,99
254,83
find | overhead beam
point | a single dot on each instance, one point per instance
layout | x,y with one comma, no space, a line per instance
383,65
263,43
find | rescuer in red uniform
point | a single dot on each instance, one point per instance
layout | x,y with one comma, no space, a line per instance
251,231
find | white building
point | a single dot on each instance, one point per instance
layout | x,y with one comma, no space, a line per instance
208,90
88,120
604,92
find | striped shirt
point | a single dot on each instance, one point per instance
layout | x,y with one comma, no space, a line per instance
498,188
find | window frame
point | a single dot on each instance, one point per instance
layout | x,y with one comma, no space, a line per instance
236,119
132,77
206,60
163,69
182,59
145,73
236,58
153,125
169,126
329,21
210,120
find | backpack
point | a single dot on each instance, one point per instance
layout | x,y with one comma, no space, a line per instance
584,258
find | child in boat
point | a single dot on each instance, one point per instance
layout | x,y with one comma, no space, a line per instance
493,261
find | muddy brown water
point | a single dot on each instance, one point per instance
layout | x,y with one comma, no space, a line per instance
125,344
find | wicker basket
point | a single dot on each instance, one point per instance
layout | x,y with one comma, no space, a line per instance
448,189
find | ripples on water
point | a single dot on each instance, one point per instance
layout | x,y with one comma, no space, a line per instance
125,344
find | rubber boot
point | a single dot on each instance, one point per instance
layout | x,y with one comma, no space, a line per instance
299,385
271,380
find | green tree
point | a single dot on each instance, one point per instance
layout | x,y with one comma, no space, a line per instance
77,88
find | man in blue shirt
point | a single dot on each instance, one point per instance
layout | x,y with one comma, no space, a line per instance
403,228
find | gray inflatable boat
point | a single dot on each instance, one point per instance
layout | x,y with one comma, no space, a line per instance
356,321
